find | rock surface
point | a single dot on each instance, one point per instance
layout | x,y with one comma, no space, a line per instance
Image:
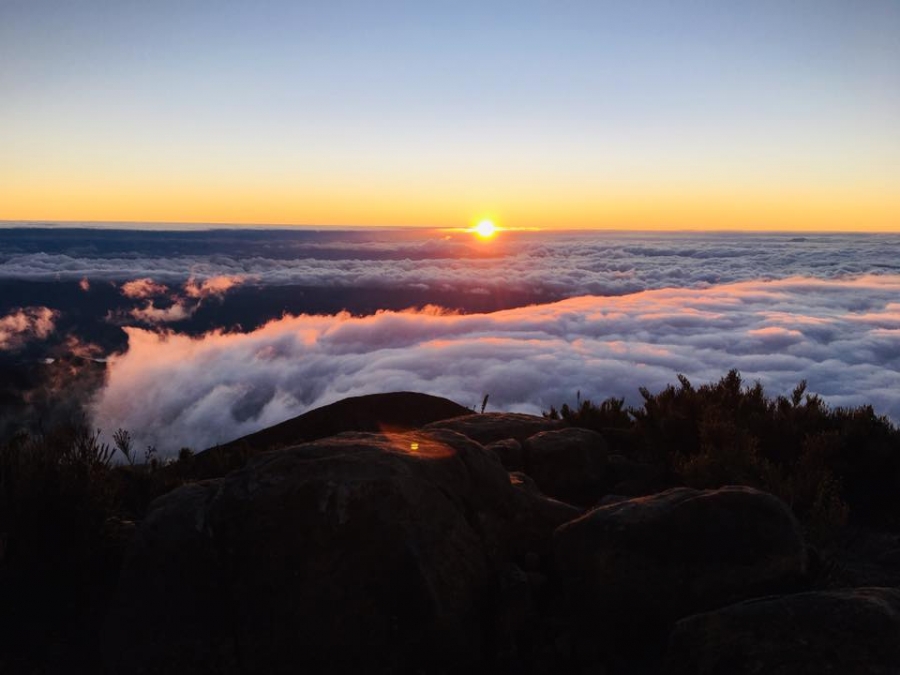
361,552
568,464
845,631
645,562
534,517
488,428
509,452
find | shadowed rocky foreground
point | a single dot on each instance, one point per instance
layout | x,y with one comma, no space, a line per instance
422,540
421,551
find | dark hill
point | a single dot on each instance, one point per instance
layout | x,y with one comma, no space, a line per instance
391,412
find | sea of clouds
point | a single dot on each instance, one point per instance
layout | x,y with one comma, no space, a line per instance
621,311
841,335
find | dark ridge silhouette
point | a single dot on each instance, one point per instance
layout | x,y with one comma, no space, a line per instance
392,412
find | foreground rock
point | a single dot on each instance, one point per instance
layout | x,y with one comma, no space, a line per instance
491,427
568,464
846,631
509,452
636,565
374,553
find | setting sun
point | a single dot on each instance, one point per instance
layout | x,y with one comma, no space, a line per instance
486,229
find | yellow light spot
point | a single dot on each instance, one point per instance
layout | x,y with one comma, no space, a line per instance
485,229
413,446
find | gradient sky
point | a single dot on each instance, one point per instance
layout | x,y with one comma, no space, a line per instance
645,114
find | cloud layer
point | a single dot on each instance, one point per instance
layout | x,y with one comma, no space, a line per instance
842,335
555,265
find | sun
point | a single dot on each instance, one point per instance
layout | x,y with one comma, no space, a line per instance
486,229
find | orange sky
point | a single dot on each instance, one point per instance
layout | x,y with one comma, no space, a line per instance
765,115
389,203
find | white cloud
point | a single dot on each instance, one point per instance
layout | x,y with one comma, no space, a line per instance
839,334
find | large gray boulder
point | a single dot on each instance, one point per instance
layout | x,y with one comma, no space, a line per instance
568,464
636,565
845,631
490,427
371,553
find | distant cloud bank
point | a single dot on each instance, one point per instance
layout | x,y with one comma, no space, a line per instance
841,334
555,265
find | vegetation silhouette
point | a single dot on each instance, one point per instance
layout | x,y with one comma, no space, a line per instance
828,464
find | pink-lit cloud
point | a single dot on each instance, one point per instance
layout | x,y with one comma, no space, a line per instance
214,286
84,284
150,313
139,289
776,334
173,390
22,325
163,306
887,317
84,350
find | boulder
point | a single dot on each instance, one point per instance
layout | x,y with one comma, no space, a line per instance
612,499
490,427
533,518
509,452
636,565
362,552
844,631
569,464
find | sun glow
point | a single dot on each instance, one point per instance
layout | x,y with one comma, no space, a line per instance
486,229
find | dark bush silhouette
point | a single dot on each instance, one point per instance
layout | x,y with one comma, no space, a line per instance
66,514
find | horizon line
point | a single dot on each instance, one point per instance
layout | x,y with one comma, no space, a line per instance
49,223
